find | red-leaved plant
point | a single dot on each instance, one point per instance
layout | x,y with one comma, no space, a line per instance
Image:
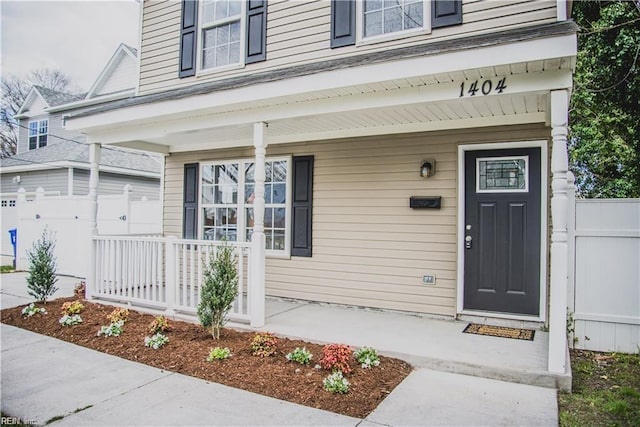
336,357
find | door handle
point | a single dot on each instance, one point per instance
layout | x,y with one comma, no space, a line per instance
467,242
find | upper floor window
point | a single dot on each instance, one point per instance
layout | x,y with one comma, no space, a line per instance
392,16
221,30
38,134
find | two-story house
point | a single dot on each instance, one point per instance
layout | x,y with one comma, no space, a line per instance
405,155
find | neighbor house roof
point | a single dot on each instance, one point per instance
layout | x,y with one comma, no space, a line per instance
53,98
74,152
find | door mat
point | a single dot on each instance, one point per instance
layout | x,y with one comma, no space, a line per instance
500,331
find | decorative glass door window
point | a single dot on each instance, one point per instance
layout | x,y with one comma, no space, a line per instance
227,191
502,174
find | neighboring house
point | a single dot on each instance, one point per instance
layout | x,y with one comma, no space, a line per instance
56,159
413,150
51,157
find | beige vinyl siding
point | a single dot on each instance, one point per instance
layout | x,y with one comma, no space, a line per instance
298,33
369,248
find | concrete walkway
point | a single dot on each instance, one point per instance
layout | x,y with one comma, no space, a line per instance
44,378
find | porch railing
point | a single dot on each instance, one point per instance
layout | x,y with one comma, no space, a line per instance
163,274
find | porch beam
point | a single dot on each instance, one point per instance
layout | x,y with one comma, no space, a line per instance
559,235
239,114
95,153
258,252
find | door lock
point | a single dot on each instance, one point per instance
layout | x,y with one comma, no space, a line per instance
467,242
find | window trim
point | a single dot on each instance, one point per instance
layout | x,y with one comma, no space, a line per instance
38,135
200,41
242,206
362,40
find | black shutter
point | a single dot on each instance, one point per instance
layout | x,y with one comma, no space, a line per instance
190,212
301,206
445,13
343,23
256,31
188,36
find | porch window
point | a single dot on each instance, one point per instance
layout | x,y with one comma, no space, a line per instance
221,33
384,17
227,190
38,134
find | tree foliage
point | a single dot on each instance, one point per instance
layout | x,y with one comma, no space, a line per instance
42,268
219,289
604,143
14,92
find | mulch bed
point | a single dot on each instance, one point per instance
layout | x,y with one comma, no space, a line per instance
189,345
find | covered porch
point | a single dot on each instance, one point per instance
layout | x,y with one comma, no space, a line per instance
519,80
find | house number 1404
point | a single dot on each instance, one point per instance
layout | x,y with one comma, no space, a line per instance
485,87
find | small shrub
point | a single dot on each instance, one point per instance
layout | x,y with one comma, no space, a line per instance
31,310
336,357
264,344
72,307
300,355
79,289
118,315
336,383
70,320
219,289
159,324
156,341
367,357
113,330
42,268
218,353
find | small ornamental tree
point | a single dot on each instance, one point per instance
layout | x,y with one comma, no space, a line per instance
219,289
42,268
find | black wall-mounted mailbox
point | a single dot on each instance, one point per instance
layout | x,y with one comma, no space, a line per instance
425,202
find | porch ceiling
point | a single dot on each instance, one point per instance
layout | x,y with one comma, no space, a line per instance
424,102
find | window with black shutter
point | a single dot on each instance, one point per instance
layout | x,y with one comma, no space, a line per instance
190,206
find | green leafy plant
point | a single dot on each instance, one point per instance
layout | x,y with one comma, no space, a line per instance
159,324
264,344
42,268
118,315
72,307
219,289
7,269
31,310
300,355
70,320
113,330
218,353
156,341
336,383
336,357
367,357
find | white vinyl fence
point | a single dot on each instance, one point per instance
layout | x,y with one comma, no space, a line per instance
162,274
606,295
68,219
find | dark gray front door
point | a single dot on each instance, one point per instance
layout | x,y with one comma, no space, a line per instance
502,231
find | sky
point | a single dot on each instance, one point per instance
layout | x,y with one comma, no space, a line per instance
76,37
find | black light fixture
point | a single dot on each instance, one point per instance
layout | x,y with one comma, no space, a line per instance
428,168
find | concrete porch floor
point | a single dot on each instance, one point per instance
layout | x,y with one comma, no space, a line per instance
424,342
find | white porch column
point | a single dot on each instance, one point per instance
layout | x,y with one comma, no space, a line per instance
559,236
257,284
94,160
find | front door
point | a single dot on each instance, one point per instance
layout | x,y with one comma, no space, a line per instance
502,231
